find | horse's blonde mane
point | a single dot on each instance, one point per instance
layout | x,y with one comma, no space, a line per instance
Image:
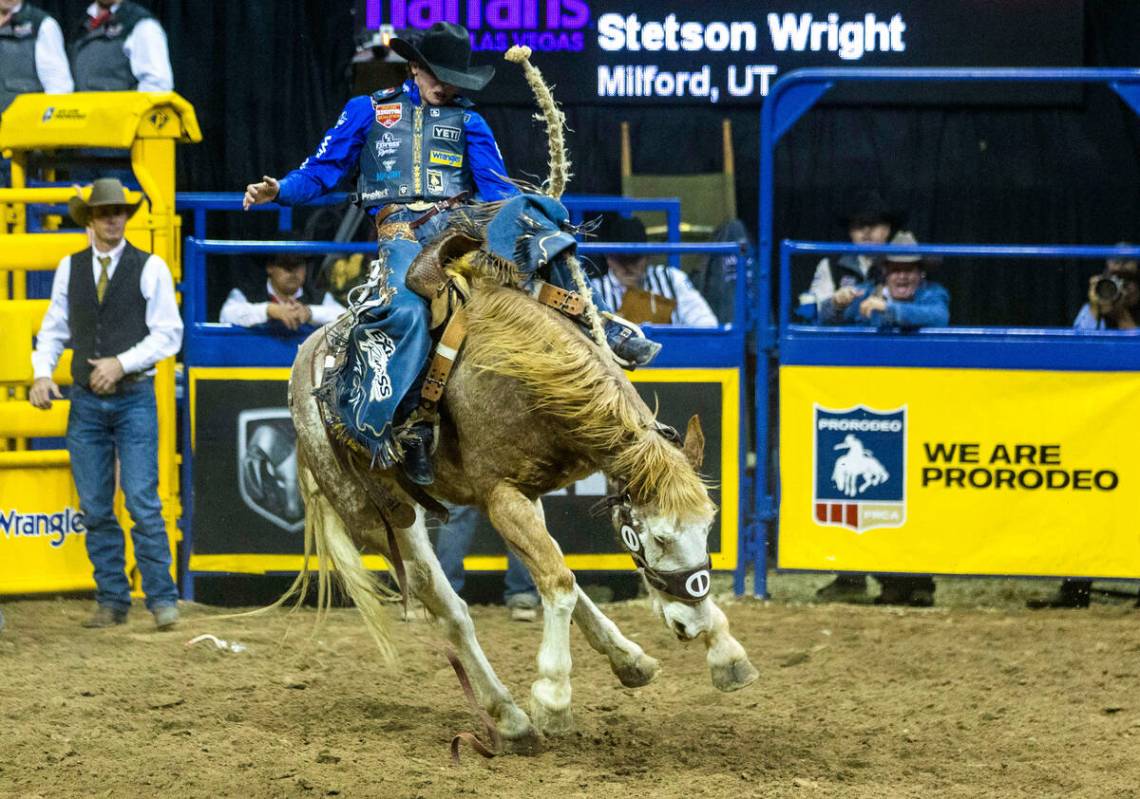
566,378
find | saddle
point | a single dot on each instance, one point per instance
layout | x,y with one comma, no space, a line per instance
447,292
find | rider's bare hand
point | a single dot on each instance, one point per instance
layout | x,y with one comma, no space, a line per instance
257,193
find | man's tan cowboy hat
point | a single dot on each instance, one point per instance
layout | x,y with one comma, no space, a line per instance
445,50
904,238
103,192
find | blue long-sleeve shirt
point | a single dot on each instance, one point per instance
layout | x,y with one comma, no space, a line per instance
930,307
339,152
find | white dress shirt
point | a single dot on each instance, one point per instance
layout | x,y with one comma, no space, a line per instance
238,310
162,317
147,51
51,57
665,281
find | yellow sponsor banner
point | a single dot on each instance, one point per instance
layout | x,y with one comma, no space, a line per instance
959,471
42,538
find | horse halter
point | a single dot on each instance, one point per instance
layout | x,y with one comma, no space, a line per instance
684,585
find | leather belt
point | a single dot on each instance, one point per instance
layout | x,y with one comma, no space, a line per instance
436,208
446,351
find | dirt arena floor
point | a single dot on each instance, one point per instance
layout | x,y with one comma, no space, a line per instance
960,700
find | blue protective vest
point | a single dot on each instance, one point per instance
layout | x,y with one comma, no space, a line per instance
18,55
413,153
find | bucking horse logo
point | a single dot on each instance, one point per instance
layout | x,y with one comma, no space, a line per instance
860,474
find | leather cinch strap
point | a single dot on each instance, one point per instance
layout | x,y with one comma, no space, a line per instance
570,303
446,351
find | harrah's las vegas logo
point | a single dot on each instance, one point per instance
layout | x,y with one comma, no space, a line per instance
859,467
542,25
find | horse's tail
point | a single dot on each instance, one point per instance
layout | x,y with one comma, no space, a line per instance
327,537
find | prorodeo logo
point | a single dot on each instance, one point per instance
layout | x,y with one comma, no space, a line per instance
860,470
54,526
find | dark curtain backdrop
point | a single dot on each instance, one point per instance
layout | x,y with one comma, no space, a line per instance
267,77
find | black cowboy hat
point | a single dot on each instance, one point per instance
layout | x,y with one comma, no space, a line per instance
868,208
445,50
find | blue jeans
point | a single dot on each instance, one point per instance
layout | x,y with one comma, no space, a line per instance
455,540
98,428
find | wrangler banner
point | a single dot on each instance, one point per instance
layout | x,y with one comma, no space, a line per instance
959,471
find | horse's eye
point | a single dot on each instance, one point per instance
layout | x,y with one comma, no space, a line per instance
661,541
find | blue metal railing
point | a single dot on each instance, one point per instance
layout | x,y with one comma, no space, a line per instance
716,347
792,96
791,247
199,203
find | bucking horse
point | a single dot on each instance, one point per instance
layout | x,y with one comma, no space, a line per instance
532,404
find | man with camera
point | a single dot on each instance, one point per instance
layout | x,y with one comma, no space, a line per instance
1114,297
1114,304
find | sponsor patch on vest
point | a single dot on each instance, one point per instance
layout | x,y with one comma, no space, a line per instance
389,114
23,30
860,469
391,174
445,158
433,112
445,132
378,194
435,180
387,144
403,191
384,94
388,163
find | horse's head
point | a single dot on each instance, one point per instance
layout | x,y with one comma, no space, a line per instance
669,543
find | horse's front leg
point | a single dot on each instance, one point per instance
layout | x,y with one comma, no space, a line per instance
627,660
430,585
520,523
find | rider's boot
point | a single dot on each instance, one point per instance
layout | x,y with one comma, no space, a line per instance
417,454
627,341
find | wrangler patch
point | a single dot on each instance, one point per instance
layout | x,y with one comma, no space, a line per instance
445,158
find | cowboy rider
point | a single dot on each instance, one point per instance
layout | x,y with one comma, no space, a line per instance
420,149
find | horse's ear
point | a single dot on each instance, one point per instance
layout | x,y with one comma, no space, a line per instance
694,446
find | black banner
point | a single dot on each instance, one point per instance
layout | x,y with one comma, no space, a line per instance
246,499
730,52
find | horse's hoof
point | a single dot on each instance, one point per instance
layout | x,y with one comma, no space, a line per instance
641,671
528,744
552,722
733,675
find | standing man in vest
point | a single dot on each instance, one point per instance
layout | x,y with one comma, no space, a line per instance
115,305
120,47
32,56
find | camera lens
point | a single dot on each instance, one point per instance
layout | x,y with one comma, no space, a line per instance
1106,289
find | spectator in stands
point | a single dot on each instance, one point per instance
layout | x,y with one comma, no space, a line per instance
904,299
120,47
453,542
1114,297
1113,304
285,299
32,55
869,221
32,59
642,293
115,305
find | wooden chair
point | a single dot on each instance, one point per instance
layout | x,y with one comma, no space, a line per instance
708,200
